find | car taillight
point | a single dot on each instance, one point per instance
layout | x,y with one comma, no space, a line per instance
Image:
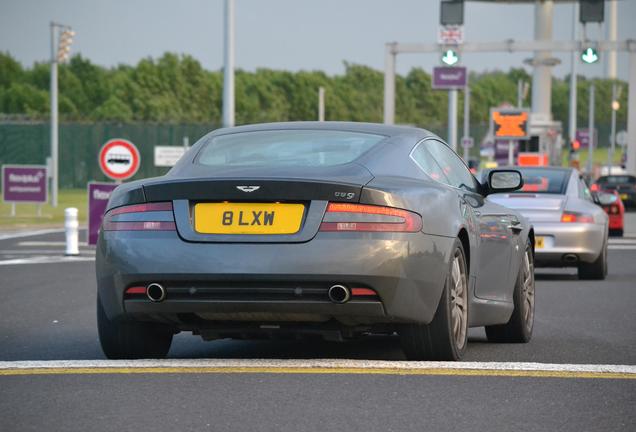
362,217
140,217
594,187
576,217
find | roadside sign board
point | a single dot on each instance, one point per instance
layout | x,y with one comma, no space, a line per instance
450,34
119,159
167,156
509,123
448,78
98,196
621,138
468,142
24,183
583,137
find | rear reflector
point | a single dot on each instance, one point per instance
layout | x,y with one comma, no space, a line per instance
136,290
363,292
572,217
355,217
144,218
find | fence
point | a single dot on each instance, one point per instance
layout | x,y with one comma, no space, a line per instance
79,144
29,143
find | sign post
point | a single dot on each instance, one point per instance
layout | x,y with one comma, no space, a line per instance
119,159
98,196
510,124
24,183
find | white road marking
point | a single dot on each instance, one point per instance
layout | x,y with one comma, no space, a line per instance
42,243
621,241
30,233
38,251
621,247
46,260
318,363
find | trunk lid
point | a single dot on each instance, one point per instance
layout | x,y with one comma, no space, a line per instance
535,207
245,193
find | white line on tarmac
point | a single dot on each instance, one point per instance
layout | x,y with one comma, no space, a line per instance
42,243
47,260
29,233
622,240
621,247
318,363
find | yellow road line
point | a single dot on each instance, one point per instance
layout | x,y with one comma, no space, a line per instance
309,370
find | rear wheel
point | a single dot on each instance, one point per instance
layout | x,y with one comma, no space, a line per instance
130,339
519,328
445,338
596,270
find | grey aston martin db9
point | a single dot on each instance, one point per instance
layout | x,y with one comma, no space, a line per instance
328,229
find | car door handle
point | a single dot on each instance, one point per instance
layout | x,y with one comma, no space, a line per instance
516,227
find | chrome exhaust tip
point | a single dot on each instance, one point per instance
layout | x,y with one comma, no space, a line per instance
339,294
570,258
155,292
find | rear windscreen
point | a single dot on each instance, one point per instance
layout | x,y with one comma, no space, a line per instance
286,148
619,179
543,180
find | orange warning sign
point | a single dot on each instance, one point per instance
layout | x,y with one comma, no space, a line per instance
510,123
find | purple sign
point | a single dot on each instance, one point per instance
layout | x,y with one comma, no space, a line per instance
98,195
445,78
583,137
24,183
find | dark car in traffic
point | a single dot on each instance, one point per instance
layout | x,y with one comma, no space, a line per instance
315,228
623,184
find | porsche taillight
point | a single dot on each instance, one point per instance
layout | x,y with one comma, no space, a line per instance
574,217
370,218
140,217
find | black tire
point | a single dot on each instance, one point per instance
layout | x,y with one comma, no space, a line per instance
437,340
596,270
130,339
519,328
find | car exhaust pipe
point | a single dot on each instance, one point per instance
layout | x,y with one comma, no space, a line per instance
155,292
570,258
339,294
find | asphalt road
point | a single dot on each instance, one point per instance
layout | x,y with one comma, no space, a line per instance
47,312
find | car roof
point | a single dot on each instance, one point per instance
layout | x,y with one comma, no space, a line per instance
373,128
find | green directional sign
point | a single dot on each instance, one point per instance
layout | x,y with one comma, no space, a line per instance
589,55
450,57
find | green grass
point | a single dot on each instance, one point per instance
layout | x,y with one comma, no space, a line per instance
26,214
599,157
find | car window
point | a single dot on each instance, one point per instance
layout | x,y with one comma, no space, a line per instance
544,180
452,166
584,191
286,147
425,161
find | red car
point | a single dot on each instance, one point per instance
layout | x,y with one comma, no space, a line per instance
615,209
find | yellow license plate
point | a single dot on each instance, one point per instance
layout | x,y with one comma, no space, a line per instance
539,243
247,218
623,197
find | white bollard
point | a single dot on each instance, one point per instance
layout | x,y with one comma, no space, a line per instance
71,225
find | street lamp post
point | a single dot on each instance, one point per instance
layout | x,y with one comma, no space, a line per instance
59,53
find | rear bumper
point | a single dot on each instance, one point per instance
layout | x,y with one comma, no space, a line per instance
615,221
406,270
585,241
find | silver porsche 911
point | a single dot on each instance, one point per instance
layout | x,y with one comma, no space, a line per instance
571,229
329,229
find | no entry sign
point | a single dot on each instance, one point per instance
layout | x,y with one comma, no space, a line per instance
24,183
119,159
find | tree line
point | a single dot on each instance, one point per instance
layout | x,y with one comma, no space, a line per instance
177,89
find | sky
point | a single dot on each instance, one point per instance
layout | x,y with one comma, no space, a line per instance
285,34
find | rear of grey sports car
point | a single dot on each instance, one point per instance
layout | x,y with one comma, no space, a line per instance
334,230
315,249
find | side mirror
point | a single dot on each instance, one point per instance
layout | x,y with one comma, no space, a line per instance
604,198
500,181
